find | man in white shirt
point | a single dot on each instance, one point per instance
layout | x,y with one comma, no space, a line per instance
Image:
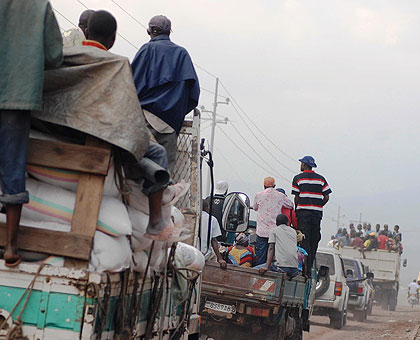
206,250
413,289
282,243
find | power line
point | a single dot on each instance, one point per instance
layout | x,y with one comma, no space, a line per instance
64,17
245,154
259,141
232,167
258,155
256,126
132,17
212,92
122,37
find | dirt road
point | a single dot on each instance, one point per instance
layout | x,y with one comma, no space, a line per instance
401,324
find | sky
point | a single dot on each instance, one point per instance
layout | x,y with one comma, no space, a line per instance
338,80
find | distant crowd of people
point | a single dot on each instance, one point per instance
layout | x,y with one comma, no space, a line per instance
365,238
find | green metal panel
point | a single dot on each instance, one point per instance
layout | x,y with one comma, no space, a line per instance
44,309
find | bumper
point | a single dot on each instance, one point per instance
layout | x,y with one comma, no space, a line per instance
356,302
332,304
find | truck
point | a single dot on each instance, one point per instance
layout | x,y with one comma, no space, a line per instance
238,302
48,302
385,266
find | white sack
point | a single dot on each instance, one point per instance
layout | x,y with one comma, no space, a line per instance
110,253
52,204
191,256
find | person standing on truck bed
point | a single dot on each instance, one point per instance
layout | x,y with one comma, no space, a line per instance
31,41
282,247
311,192
76,35
101,33
268,205
220,192
207,245
167,85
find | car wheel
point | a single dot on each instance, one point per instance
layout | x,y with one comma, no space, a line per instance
359,315
337,319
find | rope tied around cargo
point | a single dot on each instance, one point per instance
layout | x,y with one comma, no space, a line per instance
16,332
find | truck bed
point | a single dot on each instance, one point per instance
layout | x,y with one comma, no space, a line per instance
246,285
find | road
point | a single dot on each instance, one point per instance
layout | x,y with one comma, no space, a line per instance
402,324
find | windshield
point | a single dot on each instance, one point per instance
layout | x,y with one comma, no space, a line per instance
327,260
350,264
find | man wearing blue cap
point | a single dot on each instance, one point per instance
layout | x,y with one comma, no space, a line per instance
311,192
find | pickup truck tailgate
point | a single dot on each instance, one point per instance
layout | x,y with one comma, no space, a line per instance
242,284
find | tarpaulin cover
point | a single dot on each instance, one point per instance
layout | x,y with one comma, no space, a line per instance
94,92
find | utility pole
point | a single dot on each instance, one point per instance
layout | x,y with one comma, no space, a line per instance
214,122
338,217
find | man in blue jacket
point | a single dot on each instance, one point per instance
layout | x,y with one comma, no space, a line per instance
167,85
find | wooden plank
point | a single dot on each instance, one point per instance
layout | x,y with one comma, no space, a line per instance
88,159
88,203
52,242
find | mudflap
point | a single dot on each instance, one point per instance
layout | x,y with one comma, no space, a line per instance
306,325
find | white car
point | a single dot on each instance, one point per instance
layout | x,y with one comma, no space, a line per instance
332,292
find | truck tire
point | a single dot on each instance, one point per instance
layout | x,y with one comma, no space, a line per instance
297,332
392,301
322,286
337,319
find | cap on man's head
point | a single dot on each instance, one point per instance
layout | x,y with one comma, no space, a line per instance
269,182
221,188
159,24
308,160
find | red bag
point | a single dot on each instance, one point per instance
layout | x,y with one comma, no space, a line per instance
291,215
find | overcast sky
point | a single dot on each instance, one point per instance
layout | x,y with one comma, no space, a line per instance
338,80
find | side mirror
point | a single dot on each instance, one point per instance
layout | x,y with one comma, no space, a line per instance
235,217
323,271
349,273
405,263
370,276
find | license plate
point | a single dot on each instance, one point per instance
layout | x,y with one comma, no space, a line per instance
220,307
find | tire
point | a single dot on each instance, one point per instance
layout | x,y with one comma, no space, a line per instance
392,301
337,319
322,286
297,332
359,315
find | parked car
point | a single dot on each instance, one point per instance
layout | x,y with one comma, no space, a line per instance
360,291
332,292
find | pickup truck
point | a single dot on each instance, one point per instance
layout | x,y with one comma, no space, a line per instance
238,302
385,266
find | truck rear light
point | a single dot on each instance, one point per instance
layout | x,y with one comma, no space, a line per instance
338,289
360,288
258,311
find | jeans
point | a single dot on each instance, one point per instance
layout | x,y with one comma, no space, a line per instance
261,249
169,141
310,225
14,139
157,154
288,270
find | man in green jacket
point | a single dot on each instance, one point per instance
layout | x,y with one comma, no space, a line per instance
30,40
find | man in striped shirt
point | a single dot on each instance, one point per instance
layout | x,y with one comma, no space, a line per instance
311,192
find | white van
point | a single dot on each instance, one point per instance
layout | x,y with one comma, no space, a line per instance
332,292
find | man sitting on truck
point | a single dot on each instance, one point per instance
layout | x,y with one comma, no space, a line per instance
31,41
282,243
241,254
101,33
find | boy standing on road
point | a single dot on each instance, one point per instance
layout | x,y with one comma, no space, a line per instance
311,192
31,41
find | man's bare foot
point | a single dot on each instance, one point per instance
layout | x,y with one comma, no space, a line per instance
11,257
